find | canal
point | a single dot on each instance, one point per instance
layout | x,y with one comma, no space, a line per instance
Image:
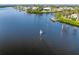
20,34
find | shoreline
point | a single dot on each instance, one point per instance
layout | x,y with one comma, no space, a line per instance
62,19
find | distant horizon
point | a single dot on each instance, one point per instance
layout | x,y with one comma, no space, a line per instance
39,4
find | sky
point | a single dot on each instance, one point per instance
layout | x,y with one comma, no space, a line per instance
39,1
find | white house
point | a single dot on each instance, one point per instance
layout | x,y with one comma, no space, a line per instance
34,8
65,8
75,16
47,8
26,7
60,9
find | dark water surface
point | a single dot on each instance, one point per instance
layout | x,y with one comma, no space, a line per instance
20,34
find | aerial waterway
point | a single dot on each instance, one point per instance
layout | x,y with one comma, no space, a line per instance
20,34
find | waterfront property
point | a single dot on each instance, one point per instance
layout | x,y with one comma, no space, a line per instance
47,9
68,15
23,33
68,12
72,19
35,9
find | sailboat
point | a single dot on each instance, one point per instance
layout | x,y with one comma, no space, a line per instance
41,32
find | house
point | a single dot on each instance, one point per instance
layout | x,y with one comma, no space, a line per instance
65,8
34,8
60,9
25,8
74,16
47,9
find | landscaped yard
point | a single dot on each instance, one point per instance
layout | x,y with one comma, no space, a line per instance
62,19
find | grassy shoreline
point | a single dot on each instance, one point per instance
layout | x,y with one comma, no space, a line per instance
62,19
37,12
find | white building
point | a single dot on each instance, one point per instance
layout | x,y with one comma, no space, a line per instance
74,16
34,8
47,8
64,8
60,9
26,7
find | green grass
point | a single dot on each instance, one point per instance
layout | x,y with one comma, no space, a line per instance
34,11
62,19
37,11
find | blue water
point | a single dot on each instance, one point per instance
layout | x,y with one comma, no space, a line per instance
20,34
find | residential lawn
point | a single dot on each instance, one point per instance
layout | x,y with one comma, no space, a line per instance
62,19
